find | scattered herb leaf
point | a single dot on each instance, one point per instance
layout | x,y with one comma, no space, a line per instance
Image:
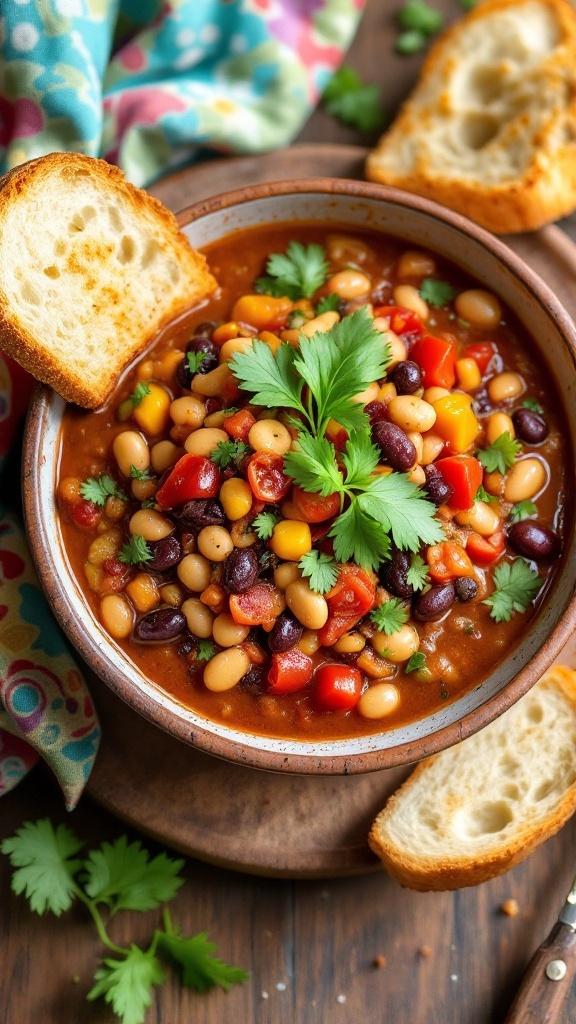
126,985
523,510
140,474
297,273
417,575
194,956
533,404
416,662
44,857
320,569
264,523
226,452
352,101
297,318
206,650
482,495
516,584
328,304
390,616
140,391
501,454
98,490
135,551
436,293
195,360
409,43
419,16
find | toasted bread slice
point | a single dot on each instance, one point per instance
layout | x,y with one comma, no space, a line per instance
490,127
473,811
90,269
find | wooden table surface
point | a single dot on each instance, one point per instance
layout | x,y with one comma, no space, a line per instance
311,946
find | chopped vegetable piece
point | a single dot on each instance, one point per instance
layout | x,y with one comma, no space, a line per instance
239,425
403,322
455,422
448,561
337,687
484,551
436,357
193,476
314,508
464,474
290,671
267,478
482,352
264,312
256,607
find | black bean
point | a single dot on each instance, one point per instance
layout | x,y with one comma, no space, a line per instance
210,361
466,588
200,512
530,426
436,487
434,603
397,449
285,633
406,377
159,627
532,539
255,680
375,412
205,329
166,553
240,570
393,575
187,646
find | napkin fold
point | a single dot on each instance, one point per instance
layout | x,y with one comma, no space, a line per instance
149,85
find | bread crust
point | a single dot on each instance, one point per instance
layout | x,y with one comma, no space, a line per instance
546,188
424,872
87,378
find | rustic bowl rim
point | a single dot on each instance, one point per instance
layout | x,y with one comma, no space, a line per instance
202,735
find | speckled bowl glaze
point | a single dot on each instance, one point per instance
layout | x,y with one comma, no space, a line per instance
355,205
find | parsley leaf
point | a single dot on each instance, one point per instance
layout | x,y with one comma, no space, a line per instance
396,503
501,454
195,360
206,650
273,379
297,273
328,304
353,102
312,465
140,391
359,537
98,490
264,523
140,474
516,585
320,569
417,575
415,663
390,616
226,452
122,875
200,969
410,42
419,16
360,458
436,293
45,871
533,404
127,984
135,551
482,495
523,510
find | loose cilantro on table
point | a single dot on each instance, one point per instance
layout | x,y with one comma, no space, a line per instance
523,510
516,585
501,454
532,404
418,21
98,490
417,575
320,569
297,273
482,495
195,360
416,662
436,293
264,523
226,452
135,551
390,616
352,101
119,876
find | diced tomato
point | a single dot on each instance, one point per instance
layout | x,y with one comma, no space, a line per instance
238,425
482,352
436,357
335,627
258,606
86,514
337,687
484,551
267,478
406,324
464,474
313,508
290,671
193,476
354,593
448,561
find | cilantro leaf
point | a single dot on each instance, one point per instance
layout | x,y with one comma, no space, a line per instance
140,391
297,273
523,510
360,458
516,584
272,379
417,575
127,984
396,503
45,871
206,650
320,569
135,551
98,490
122,875
501,454
390,616
226,452
415,663
140,474
353,102
312,465
328,304
419,16
436,293
359,537
195,360
264,523
482,495
410,42
200,969
533,404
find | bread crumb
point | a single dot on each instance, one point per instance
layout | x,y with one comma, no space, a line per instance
341,999
264,995
280,987
425,952
379,961
510,908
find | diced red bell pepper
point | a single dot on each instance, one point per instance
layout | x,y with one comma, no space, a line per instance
464,474
482,352
352,596
436,357
403,322
290,671
337,687
239,424
267,478
193,476
484,551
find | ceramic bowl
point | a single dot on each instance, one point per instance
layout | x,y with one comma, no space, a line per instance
419,222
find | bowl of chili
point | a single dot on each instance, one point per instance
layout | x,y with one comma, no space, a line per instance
324,524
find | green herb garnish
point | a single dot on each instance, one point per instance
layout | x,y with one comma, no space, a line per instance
328,304
206,650
523,510
297,273
501,455
516,585
140,474
352,101
409,43
264,523
416,662
419,16
320,569
195,360
98,490
436,293
533,404
226,452
482,495
140,391
390,616
417,575
135,551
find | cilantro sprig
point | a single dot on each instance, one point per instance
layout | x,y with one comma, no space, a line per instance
135,551
320,569
418,575
352,101
297,273
516,585
416,662
115,876
264,523
100,489
523,510
435,292
501,454
195,360
390,616
226,452
206,650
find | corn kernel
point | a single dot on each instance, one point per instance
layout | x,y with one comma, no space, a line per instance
153,413
291,539
468,374
236,497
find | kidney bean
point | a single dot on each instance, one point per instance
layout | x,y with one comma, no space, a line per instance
166,553
466,588
159,627
240,570
434,603
532,539
406,377
397,449
197,344
530,426
200,512
436,487
375,412
393,575
285,633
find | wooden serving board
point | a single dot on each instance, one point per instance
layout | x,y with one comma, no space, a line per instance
230,815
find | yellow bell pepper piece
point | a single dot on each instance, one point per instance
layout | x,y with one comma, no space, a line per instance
455,422
153,413
265,312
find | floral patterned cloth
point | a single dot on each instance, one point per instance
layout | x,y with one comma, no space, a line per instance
148,85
